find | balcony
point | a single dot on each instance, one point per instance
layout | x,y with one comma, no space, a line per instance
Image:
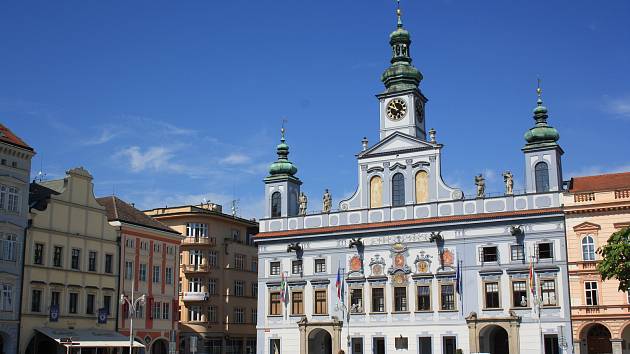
599,310
622,194
199,241
584,197
195,268
195,296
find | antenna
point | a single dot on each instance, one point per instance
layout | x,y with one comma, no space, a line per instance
235,203
40,174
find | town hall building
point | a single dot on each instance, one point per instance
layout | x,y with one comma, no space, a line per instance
409,264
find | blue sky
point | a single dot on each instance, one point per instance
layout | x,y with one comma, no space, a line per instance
170,102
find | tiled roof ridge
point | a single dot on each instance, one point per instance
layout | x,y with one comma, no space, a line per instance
141,218
601,182
10,137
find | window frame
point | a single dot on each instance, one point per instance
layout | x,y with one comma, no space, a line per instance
320,266
541,177
398,190
373,299
275,304
494,294
520,252
38,253
274,268
57,256
360,303
299,302
401,304
544,291
516,304
590,248
75,259
276,204
297,266
591,293
418,302
320,303
550,255
442,296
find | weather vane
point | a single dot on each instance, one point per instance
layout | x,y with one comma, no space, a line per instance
284,121
538,88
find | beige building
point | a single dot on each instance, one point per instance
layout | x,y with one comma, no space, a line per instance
596,207
70,270
218,271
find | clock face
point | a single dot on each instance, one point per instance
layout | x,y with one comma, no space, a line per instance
396,109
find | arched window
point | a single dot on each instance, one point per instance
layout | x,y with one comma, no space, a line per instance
542,177
398,190
422,186
276,204
376,192
588,248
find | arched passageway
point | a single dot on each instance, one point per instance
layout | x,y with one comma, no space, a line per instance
597,339
319,342
494,339
159,346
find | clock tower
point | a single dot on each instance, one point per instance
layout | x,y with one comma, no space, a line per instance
402,104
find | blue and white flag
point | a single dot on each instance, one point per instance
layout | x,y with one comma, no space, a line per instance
102,316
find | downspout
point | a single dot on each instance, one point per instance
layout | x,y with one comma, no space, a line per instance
29,223
118,239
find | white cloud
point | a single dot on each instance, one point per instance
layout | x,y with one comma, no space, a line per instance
156,158
236,159
107,134
619,106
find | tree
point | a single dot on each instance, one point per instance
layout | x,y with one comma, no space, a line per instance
615,262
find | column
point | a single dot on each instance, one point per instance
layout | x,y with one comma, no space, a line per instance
616,346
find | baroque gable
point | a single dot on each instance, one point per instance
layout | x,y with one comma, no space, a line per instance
397,143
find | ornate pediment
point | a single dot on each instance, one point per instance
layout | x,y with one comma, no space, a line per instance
397,143
586,226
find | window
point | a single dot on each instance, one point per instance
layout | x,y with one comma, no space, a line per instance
276,205
590,288
107,304
447,297
274,268
376,192
128,270
140,311
321,307
400,299
38,256
401,343
73,302
212,286
424,298
320,266
254,314
109,260
6,297
275,308
548,291
236,235
239,315
212,259
54,298
156,274
424,345
518,252
356,300
357,346
195,258
296,267
378,300
254,289
194,313
519,294
588,248
75,259
156,310
449,343
488,254
239,288
551,344
239,261
168,275
297,303
156,247
12,198
89,304
542,177
274,346
194,285
129,243
143,272
422,187
545,250
57,256
212,314
36,300
398,190
492,295
166,310
91,261
196,230
254,264
9,244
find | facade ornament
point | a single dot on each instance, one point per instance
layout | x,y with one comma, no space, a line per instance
399,263
364,143
423,263
432,135
480,182
327,202
377,264
303,200
508,178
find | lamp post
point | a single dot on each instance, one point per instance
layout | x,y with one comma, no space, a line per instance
133,303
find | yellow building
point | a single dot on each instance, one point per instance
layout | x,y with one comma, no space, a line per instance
596,207
70,270
218,272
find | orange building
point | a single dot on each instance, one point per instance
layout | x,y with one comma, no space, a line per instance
149,253
596,207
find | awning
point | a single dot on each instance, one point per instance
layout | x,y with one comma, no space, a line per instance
92,338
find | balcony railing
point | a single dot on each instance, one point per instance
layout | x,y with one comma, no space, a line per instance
195,268
205,241
584,197
195,296
622,194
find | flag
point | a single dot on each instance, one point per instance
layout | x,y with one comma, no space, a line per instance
532,285
343,289
284,291
338,283
102,316
54,313
458,278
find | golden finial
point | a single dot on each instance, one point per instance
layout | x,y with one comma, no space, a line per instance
398,13
538,88
282,130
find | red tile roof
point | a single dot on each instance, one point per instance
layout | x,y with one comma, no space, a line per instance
118,210
596,183
7,136
454,218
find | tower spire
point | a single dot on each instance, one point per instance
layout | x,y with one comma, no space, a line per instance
398,14
541,133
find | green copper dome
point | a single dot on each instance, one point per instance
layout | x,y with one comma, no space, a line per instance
282,166
400,75
541,133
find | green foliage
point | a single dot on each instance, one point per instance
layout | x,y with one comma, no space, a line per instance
616,258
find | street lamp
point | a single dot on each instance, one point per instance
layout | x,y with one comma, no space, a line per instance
133,303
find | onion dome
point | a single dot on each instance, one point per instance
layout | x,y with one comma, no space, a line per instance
282,166
400,75
541,133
